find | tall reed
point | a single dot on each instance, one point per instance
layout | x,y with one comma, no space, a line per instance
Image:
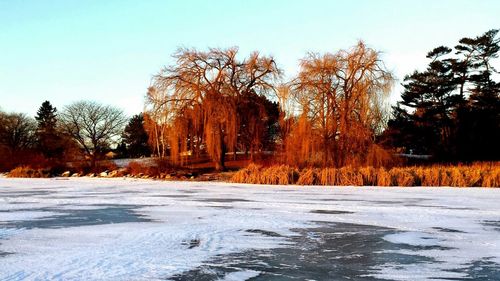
474,175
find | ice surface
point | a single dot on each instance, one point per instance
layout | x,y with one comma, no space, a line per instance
116,229
240,275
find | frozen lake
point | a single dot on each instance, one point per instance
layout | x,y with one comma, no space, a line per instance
115,229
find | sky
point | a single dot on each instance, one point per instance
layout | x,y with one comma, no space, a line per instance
107,51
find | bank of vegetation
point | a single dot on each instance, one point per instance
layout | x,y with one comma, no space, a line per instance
216,110
474,175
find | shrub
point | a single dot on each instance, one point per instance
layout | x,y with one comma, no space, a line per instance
28,172
136,168
105,165
162,166
379,157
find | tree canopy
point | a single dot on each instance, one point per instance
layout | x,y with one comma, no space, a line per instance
197,99
452,109
93,126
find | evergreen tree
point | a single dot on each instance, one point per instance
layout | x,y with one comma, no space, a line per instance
478,132
46,117
49,141
452,109
430,94
135,137
121,150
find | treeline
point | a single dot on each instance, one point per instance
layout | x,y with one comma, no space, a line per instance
219,105
451,110
76,138
333,113
216,103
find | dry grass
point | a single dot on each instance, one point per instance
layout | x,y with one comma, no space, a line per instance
278,174
250,174
475,175
401,177
349,176
136,168
282,174
369,175
383,178
308,177
28,172
328,176
491,178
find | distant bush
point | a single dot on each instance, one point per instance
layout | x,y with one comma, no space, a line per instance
136,168
164,165
27,158
28,172
105,165
475,175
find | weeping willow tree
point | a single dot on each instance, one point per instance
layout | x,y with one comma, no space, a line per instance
197,99
286,119
344,96
156,122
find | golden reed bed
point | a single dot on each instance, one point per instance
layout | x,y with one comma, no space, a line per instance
475,175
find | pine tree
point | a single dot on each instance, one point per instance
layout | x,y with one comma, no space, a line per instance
432,97
452,109
50,142
46,117
479,121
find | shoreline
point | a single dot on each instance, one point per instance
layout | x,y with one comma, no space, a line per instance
229,183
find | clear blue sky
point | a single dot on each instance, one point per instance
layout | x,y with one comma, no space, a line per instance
68,50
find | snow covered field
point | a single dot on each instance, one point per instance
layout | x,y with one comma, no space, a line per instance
115,229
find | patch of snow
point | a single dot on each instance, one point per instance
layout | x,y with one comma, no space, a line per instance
412,238
240,275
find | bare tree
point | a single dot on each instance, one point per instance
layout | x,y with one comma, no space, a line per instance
17,131
93,126
156,121
17,140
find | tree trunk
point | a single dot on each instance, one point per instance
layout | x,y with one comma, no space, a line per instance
93,162
219,165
